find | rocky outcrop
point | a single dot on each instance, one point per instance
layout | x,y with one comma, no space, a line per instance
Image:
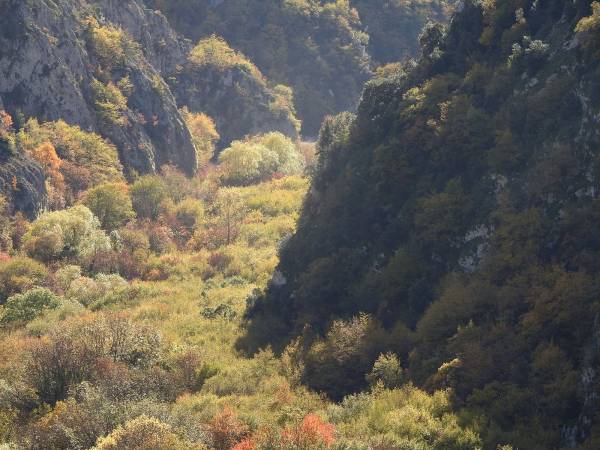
52,68
49,71
240,103
22,182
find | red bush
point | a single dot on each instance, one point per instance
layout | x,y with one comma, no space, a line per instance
311,433
226,430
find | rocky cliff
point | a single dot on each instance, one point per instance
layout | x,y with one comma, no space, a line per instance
111,67
54,67
459,209
106,66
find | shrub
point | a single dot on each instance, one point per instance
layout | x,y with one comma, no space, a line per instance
64,276
143,433
87,290
588,29
70,234
215,52
147,194
7,138
110,203
312,433
20,274
6,243
111,45
45,154
247,162
29,305
189,213
69,354
160,238
290,160
226,430
338,363
133,239
110,103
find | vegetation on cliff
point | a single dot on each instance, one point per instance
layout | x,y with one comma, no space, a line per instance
457,211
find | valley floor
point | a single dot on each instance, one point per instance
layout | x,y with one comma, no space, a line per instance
152,363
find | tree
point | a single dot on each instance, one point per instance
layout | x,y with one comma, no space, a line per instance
86,158
147,195
72,352
70,234
5,226
289,159
226,430
311,433
189,213
110,203
258,158
247,162
46,155
588,28
230,209
204,134
7,139
387,370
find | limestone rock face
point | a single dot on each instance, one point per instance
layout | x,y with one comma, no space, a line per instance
48,71
22,181
240,103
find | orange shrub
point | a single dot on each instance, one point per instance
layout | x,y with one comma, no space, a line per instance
226,430
246,444
311,433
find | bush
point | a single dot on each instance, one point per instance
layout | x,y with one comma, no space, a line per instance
20,274
71,352
226,430
87,290
290,159
29,305
259,158
338,363
215,52
147,195
143,433
189,213
70,234
247,162
110,203
64,276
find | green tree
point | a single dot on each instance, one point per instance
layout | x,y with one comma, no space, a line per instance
110,203
147,195
29,305
74,233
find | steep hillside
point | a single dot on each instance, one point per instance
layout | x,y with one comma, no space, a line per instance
394,26
102,65
59,62
324,50
459,210
317,48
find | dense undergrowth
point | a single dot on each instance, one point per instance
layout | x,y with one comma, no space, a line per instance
120,309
